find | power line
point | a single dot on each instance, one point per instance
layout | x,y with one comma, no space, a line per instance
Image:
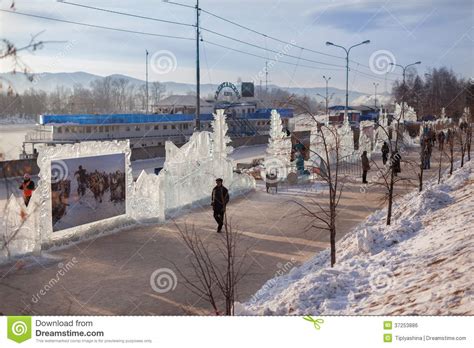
279,40
285,62
96,26
268,49
225,36
270,37
265,58
179,4
127,14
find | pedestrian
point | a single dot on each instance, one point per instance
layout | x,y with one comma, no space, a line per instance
429,149
28,186
365,166
441,138
395,159
219,200
385,152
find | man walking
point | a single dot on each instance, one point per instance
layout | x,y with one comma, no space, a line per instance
28,186
385,151
365,167
220,198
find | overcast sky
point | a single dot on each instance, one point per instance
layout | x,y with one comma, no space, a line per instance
439,33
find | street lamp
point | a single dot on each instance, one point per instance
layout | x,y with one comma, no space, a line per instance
404,87
375,86
328,43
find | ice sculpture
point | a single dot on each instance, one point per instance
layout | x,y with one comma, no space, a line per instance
19,232
466,115
404,113
365,137
189,172
278,154
346,139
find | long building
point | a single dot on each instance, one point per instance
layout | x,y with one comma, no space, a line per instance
145,130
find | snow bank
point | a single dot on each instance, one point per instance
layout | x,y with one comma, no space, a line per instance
421,264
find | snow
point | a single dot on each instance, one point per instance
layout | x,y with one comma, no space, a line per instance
11,139
421,264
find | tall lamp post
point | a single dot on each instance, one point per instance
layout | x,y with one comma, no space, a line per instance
146,80
347,72
404,68
375,94
327,92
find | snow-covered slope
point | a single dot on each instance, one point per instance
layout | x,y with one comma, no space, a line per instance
422,264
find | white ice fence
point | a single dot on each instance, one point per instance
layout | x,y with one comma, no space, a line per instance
186,180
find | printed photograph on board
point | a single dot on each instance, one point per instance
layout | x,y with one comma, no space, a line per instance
87,189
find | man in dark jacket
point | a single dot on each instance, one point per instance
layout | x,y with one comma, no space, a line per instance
220,198
365,166
385,151
396,159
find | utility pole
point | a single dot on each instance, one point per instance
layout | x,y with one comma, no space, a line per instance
146,79
327,93
198,74
375,86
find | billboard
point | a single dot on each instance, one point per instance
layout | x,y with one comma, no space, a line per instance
87,189
247,89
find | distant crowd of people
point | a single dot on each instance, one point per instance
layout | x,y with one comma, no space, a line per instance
427,143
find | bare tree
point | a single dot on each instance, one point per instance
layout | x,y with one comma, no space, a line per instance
329,155
450,141
218,268
157,91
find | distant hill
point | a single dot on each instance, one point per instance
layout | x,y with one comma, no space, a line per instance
48,82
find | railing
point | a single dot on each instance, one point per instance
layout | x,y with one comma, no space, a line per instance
350,165
40,134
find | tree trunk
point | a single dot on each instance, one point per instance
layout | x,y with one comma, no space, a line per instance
439,165
451,159
333,229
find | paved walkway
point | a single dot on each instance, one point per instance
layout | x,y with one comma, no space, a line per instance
112,273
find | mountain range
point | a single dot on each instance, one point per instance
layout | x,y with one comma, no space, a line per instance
48,82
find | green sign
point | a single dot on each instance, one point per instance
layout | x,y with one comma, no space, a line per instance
19,328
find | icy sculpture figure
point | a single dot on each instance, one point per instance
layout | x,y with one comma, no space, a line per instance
466,115
19,232
346,136
408,113
443,114
278,154
220,139
316,146
189,172
220,145
365,137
